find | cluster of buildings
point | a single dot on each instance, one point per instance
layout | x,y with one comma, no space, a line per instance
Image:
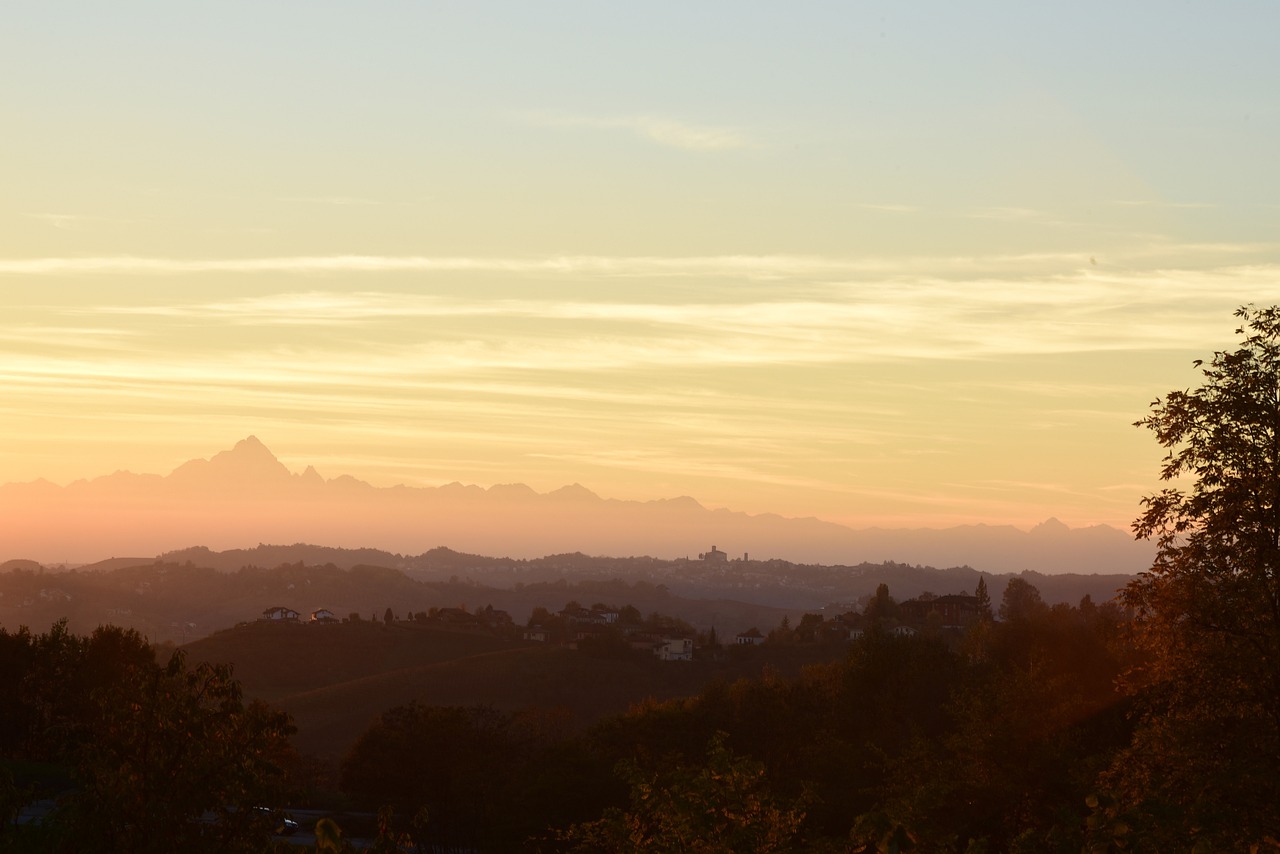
576,625
488,616
281,614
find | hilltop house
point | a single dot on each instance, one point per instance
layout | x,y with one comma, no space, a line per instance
279,614
324,616
847,626
597,614
455,616
494,618
751,637
662,647
588,632
674,649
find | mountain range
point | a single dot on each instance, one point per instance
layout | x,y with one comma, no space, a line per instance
245,496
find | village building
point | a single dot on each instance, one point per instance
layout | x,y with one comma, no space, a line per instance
674,649
714,556
280,614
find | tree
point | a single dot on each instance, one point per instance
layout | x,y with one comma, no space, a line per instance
449,759
169,748
725,806
1208,611
161,758
984,599
1021,600
809,629
882,606
629,615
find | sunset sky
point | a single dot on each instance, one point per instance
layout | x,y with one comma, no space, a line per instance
881,263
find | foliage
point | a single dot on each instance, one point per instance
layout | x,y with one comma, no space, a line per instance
165,758
984,599
1021,600
908,742
175,760
1205,764
447,759
722,807
881,606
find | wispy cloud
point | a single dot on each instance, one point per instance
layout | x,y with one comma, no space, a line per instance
61,221
64,336
750,266
837,320
336,201
1006,214
661,130
1160,203
889,208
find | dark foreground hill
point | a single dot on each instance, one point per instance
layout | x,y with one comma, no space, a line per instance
335,680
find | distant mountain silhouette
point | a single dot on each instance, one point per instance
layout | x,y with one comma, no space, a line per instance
248,463
243,496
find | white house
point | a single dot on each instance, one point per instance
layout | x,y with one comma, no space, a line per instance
674,649
324,615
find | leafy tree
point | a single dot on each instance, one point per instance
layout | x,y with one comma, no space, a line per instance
162,758
630,615
783,633
1205,765
723,807
174,760
448,759
809,629
881,606
1021,600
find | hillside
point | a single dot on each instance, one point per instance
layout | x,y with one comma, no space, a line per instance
335,680
177,603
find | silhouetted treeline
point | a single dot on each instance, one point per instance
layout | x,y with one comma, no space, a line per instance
1008,736
993,743
126,753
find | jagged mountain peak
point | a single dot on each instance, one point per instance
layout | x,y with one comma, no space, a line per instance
245,494
249,459
1051,526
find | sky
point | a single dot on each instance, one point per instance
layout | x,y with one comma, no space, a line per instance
885,264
